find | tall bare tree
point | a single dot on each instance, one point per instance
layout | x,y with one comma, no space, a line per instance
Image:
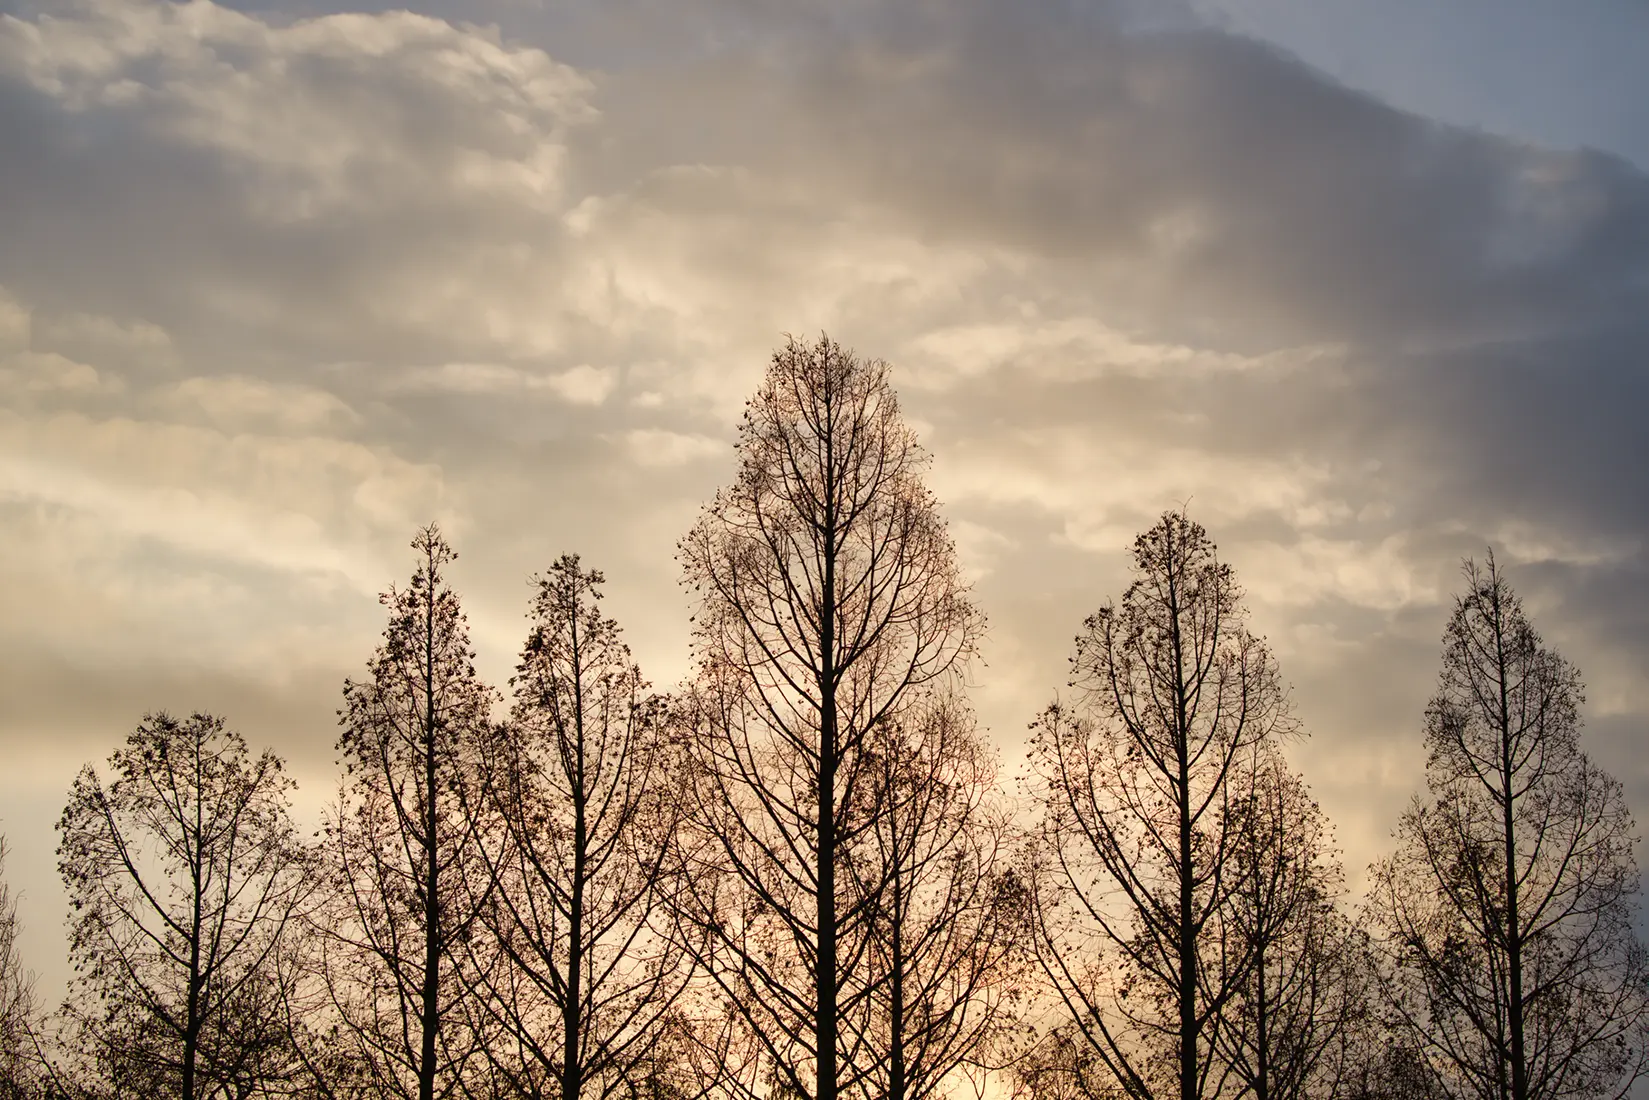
828,597
1139,843
1303,1008
184,876
411,735
580,802
948,952
1507,909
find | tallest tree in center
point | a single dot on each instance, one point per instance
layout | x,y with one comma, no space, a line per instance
829,601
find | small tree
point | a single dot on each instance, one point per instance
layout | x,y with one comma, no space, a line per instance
1140,844
1392,1069
579,805
1062,1065
947,952
828,598
19,1063
411,732
1302,1005
185,877
1506,912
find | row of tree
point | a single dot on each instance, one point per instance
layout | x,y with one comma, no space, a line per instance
798,877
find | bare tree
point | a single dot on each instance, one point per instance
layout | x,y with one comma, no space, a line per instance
1507,909
1062,1065
1392,1069
948,953
185,877
579,805
828,597
19,1067
411,732
1303,1005
1139,844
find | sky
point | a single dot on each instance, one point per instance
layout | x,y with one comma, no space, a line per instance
1363,284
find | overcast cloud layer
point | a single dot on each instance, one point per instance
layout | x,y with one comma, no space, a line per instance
276,290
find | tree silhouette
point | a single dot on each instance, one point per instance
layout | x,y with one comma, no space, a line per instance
579,805
1392,1069
19,1068
184,876
1139,860
1062,1065
411,732
1302,1007
1506,912
828,598
948,951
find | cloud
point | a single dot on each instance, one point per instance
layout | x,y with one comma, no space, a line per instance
266,500
658,447
292,179
14,324
235,401
372,108
582,385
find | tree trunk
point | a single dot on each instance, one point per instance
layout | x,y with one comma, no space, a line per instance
1262,1038
1187,873
1187,946
430,1005
825,963
572,1076
897,1079
1514,931
191,1026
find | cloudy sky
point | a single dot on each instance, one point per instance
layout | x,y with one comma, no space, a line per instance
1365,282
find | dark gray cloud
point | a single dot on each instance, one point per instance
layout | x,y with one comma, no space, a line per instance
1559,75
1233,181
